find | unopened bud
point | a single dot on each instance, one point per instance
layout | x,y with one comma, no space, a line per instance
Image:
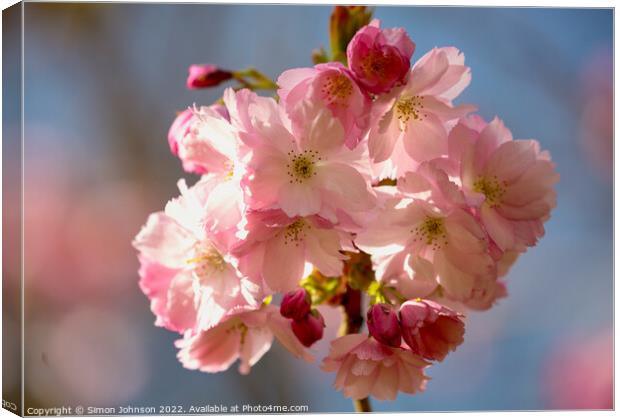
295,304
206,75
309,329
383,324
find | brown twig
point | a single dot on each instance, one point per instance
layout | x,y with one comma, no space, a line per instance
352,321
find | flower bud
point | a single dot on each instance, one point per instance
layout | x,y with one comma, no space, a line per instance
383,324
309,329
380,58
431,330
206,75
295,304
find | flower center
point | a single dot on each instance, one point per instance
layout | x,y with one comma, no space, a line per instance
302,166
207,262
491,188
408,107
230,166
295,232
375,64
431,231
337,89
238,326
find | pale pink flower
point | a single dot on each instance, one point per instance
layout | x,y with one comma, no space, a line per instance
310,174
510,182
436,241
244,335
251,114
430,329
171,294
366,367
333,86
277,247
188,274
205,141
414,118
212,145
380,58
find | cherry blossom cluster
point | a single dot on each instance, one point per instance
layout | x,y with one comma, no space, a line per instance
364,157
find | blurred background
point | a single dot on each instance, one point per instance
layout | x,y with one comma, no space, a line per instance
103,83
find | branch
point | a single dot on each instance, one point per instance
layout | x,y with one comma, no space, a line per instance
352,321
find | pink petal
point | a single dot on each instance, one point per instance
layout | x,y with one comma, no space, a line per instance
322,250
385,386
282,330
164,240
499,229
426,139
382,137
300,199
210,351
323,132
283,276
427,71
256,343
343,186
512,159
491,137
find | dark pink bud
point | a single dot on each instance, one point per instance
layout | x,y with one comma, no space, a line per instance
431,330
206,75
380,58
383,324
295,304
309,329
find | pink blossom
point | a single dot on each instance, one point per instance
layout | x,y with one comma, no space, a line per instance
205,141
277,247
206,75
510,182
383,324
309,329
414,118
296,304
191,279
366,367
212,145
171,295
310,174
380,58
431,241
251,114
333,86
430,329
244,335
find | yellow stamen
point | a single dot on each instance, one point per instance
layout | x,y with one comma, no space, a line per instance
408,107
302,166
432,231
491,188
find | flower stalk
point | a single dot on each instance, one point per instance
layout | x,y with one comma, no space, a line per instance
352,320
